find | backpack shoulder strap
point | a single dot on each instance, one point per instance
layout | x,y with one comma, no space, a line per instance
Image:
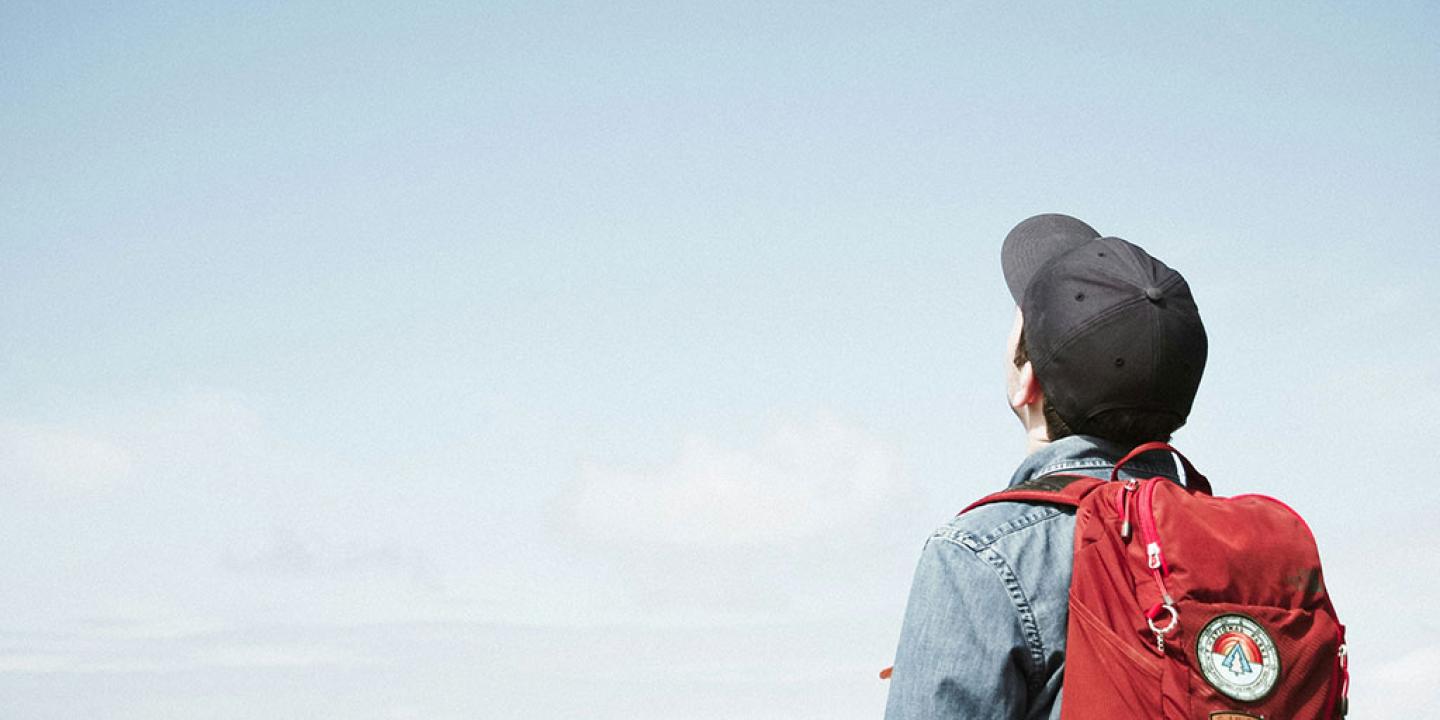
1058,489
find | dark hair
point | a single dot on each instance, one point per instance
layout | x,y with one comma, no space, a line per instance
1123,425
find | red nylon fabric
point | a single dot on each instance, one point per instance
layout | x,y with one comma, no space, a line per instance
1247,557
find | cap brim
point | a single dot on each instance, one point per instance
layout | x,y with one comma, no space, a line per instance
1036,241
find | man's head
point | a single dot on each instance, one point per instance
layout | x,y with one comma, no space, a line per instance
1107,339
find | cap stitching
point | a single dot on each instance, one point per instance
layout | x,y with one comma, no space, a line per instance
1101,317
1076,332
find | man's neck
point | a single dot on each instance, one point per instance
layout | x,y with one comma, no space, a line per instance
1036,438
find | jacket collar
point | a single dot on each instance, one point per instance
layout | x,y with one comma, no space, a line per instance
1093,456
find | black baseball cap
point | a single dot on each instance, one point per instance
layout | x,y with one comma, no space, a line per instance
1107,327
1036,241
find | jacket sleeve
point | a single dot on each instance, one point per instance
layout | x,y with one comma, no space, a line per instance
962,652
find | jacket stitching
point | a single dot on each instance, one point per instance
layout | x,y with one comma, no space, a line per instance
1137,469
976,541
1029,626
984,550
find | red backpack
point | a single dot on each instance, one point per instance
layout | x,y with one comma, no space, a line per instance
1188,606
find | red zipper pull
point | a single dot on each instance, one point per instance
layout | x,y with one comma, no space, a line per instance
1154,556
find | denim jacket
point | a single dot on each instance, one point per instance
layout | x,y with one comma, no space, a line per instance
984,630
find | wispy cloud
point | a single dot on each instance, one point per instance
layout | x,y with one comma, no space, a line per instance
453,669
141,651
64,460
746,530
192,435
800,480
287,553
1404,686
276,655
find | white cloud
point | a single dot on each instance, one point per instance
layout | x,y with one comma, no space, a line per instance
200,502
33,663
459,670
195,434
1416,666
775,529
164,629
287,553
284,655
51,664
85,654
62,459
1406,686
800,480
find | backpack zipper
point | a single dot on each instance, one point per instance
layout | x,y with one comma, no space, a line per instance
1154,556
1340,694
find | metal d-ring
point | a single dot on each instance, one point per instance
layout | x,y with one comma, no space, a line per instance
1174,618
1161,632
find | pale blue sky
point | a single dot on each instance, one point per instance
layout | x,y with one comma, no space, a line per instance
552,360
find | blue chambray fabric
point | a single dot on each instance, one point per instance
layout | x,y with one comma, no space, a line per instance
984,629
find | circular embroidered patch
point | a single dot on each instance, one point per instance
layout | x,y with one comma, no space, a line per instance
1237,657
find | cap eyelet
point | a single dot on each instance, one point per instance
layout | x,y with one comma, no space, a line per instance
1119,362
1079,296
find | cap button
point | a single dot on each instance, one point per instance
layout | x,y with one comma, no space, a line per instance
1153,293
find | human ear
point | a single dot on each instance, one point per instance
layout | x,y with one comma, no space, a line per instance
1027,388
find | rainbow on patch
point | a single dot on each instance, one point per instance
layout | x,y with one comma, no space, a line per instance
1240,645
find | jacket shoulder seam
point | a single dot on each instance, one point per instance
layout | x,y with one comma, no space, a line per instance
978,540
